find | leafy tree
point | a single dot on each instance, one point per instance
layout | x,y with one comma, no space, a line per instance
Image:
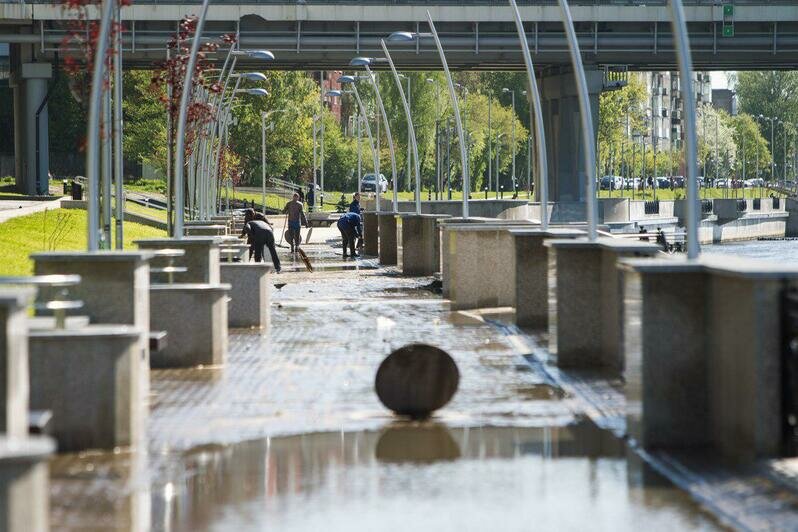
752,146
716,135
144,121
616,110
771,94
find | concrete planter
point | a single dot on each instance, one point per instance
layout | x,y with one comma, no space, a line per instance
25,483
201,258
419,252
371,233
250,296
386,222
194,317
89,379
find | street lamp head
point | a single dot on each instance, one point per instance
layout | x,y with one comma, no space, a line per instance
253,76
346,79
360,61
402,36
265,55
257,92
430,80
334,93
505,90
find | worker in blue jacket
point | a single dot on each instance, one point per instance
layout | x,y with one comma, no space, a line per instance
351,228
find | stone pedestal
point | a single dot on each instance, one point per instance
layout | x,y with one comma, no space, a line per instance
419,252
205,230
201,258
194,317
14,361
480,270
386,222
25,483
88,378
370,234
445,241
249,294
114,287
714,379
586,315
532,276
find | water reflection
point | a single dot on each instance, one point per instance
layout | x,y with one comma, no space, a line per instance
420,476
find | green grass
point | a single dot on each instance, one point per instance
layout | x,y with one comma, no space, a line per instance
705,193
146,185
58,230
135,208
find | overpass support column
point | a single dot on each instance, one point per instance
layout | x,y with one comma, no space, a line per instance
564,135
30,89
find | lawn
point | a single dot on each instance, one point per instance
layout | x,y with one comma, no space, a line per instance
58,230
150,212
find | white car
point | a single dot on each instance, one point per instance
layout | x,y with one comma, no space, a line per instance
367,183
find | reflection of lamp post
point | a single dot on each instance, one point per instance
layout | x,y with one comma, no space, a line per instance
403,36
365,62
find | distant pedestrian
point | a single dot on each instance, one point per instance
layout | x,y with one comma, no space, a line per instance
355,205
351,229
296,219
311,197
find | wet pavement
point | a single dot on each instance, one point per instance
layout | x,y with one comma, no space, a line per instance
289,434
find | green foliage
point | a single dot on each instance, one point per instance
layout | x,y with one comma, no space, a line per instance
752,146
772,94
144,121
717,149
615,108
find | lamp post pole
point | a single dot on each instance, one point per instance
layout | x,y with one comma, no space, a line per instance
536,110
490,141
587,120
388,137
691,147
411,132
512,142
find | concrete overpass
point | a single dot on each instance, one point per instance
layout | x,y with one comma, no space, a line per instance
477,34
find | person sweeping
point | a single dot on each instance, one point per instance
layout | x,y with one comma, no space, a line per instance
351,229
296,218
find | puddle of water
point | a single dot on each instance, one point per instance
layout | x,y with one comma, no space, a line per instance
406,476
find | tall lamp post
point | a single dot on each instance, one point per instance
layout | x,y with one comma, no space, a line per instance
587,120
505,90
537,111
365,62
264,115
404,36
411,131
437,137
352,81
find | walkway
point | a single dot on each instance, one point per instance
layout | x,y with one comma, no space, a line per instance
289,435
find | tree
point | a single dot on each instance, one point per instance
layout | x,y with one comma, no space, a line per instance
752,147
616,110
144,121
771,94
716,136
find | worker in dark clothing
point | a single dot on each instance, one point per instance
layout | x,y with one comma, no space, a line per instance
259,235
355,205
311,197
351,229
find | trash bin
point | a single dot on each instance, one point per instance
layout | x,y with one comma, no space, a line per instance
77,191
66,187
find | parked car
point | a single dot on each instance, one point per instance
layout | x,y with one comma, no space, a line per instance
611,182
631,183
755,182
678,181
723,183
367,183
663,182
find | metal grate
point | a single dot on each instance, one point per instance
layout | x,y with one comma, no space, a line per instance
652,207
